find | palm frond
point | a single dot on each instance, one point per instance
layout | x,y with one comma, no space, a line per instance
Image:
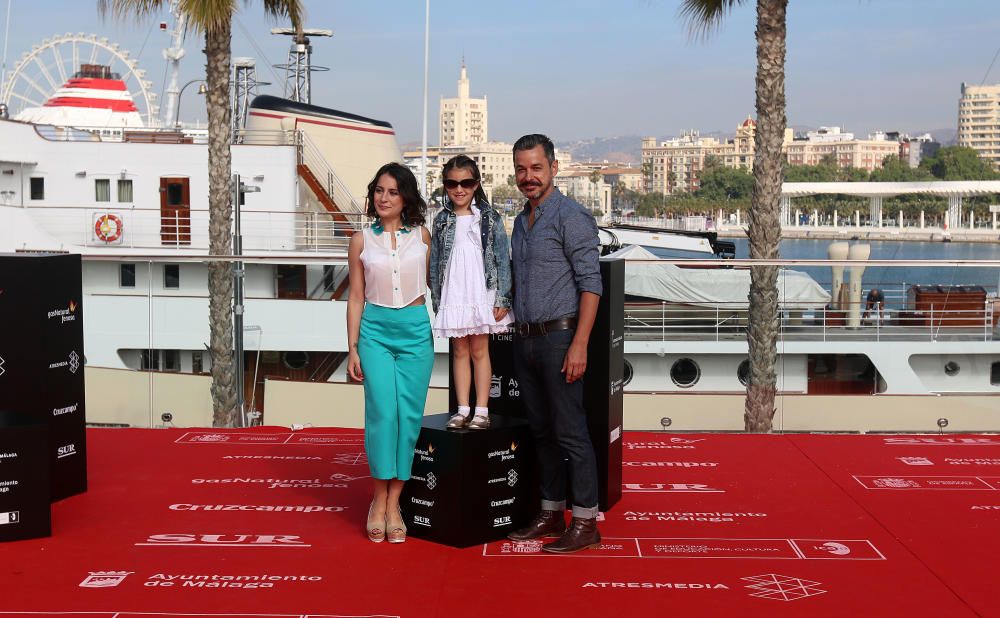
209,15
126,9
704,16
292,9
203,15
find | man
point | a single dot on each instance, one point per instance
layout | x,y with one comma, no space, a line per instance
874,305
557,286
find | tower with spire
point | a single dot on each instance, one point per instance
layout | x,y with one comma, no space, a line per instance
463,120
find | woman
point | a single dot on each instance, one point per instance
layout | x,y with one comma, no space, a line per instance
389,337
470,285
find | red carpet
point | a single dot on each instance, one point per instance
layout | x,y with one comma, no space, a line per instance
269,523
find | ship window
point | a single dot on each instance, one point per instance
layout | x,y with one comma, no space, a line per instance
171,360
175,193
172,276
124,190
126,275
628,373
37,188
149,360
743,372
295,360
102,190
951,368
685,373
995,373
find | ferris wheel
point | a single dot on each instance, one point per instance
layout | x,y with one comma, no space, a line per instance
43,70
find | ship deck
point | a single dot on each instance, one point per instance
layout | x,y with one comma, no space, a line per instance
812,333
709,524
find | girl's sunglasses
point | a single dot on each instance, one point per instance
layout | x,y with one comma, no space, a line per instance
467,183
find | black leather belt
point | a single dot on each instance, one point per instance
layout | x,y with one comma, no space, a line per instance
528,329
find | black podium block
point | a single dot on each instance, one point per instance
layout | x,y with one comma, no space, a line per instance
603,382
42,358
25,511
470,486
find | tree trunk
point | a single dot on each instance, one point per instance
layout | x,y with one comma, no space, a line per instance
763,217
220,274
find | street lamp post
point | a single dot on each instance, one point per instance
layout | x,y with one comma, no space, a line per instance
201,90
239,278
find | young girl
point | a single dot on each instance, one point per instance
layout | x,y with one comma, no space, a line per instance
470,284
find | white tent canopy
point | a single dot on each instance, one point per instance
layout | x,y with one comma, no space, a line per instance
724,288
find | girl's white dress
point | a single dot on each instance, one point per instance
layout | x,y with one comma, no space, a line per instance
466,306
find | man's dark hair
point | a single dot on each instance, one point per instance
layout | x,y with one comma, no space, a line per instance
534,140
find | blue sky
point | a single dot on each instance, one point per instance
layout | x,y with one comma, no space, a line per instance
586,68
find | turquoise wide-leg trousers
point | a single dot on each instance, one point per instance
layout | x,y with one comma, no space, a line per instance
397,355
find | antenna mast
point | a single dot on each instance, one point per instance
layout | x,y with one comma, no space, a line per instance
244,89
298,70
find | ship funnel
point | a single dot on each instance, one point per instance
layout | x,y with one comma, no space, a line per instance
856,252
837,251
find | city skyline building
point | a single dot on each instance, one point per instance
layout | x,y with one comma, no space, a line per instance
979,121
463,119
675,164
843,147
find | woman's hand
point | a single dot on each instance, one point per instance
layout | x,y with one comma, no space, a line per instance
354,366
499,313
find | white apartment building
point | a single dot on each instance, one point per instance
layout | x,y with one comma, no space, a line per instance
577,182
462,119
912,150
414,159
675,164
979,121
630,177
845,148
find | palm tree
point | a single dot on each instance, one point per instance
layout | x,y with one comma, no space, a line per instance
595,178
215,19
763,217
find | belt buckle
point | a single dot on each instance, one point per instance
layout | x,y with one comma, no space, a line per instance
523,329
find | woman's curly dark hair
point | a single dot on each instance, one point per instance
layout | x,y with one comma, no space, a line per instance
414,207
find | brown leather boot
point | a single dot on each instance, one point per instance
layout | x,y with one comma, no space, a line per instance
581,534
546,523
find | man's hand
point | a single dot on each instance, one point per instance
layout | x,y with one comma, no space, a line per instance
575,363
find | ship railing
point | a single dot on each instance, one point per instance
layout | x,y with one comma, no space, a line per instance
123,227
319,231
146,327
158,135
665,321
310,156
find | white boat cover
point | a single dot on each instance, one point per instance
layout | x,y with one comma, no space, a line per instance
724,288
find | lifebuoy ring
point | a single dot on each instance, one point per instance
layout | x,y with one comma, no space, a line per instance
109,227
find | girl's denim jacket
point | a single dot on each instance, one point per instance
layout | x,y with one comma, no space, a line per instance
496,252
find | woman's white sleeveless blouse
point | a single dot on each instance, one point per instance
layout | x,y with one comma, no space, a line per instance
394,277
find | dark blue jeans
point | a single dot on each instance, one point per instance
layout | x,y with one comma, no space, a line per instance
558,422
